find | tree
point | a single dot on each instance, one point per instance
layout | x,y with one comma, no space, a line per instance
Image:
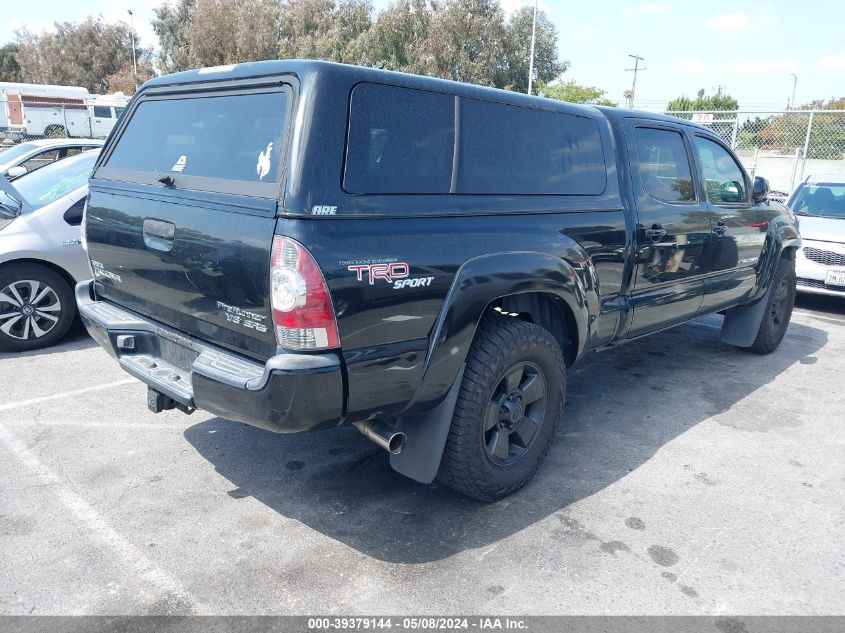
124,79
463,40
77,54
787,132
323,29
827,136
10,70
398,39
468,42
194,33
703,103
547,65
170,25
575,93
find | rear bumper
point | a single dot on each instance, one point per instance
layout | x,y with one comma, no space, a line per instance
287,394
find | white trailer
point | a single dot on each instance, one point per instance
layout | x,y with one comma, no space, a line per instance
36,110
104,110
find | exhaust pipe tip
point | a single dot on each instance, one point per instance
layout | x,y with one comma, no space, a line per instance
382,434
396,443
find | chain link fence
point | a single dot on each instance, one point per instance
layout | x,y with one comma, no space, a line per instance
24,119
783,146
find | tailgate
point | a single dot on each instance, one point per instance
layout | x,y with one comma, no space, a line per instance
182,211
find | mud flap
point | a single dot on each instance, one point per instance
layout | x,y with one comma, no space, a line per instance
743,322
426,435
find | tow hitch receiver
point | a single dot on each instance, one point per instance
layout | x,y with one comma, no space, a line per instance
158,402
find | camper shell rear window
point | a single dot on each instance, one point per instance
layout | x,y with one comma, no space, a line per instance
228,142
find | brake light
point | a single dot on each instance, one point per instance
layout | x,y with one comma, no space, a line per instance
303,316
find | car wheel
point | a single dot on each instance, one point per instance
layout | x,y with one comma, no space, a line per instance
508,409
36,307
778,309
55,131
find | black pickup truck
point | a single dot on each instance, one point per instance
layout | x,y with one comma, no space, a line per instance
298,245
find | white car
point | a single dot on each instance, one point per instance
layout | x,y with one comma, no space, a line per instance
41,256
17,160
819,204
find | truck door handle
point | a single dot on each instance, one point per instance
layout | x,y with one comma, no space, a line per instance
160,229
159,234
655,233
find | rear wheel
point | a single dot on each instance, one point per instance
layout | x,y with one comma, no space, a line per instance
778,309
508,409
55,131
36,307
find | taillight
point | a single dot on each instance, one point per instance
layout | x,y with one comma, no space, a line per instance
302,310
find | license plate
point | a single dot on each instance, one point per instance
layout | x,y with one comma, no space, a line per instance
835,278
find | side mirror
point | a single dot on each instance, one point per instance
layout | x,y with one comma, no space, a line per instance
15,172
761,189
731,192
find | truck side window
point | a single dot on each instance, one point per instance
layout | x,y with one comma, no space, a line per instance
724,178
508,149
400,141
664,165
102,112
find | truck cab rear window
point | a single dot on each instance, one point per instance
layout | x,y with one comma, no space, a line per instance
403,141
234,137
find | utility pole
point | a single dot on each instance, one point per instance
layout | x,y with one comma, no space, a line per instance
635,69
794,86
132,35
533,38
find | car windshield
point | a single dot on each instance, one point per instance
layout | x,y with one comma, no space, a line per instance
55,180
15,152
820,199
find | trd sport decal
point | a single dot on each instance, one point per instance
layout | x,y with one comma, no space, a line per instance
387,272
395,273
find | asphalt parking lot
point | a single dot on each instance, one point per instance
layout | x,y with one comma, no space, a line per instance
688,477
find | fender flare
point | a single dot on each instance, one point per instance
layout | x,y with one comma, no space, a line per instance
742,322
484,279
782,234
479,282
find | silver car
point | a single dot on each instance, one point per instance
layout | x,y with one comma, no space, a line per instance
41,256
819,204
17,160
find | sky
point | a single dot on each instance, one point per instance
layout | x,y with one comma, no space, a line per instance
749,49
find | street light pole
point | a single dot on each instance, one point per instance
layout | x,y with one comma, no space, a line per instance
533,38
132,35
636,69
794,86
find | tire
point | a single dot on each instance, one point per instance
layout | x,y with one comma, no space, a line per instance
778,309
36,307
513,368
55,131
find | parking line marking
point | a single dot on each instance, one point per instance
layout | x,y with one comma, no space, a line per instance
84,424
66,394
821,317
86,514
